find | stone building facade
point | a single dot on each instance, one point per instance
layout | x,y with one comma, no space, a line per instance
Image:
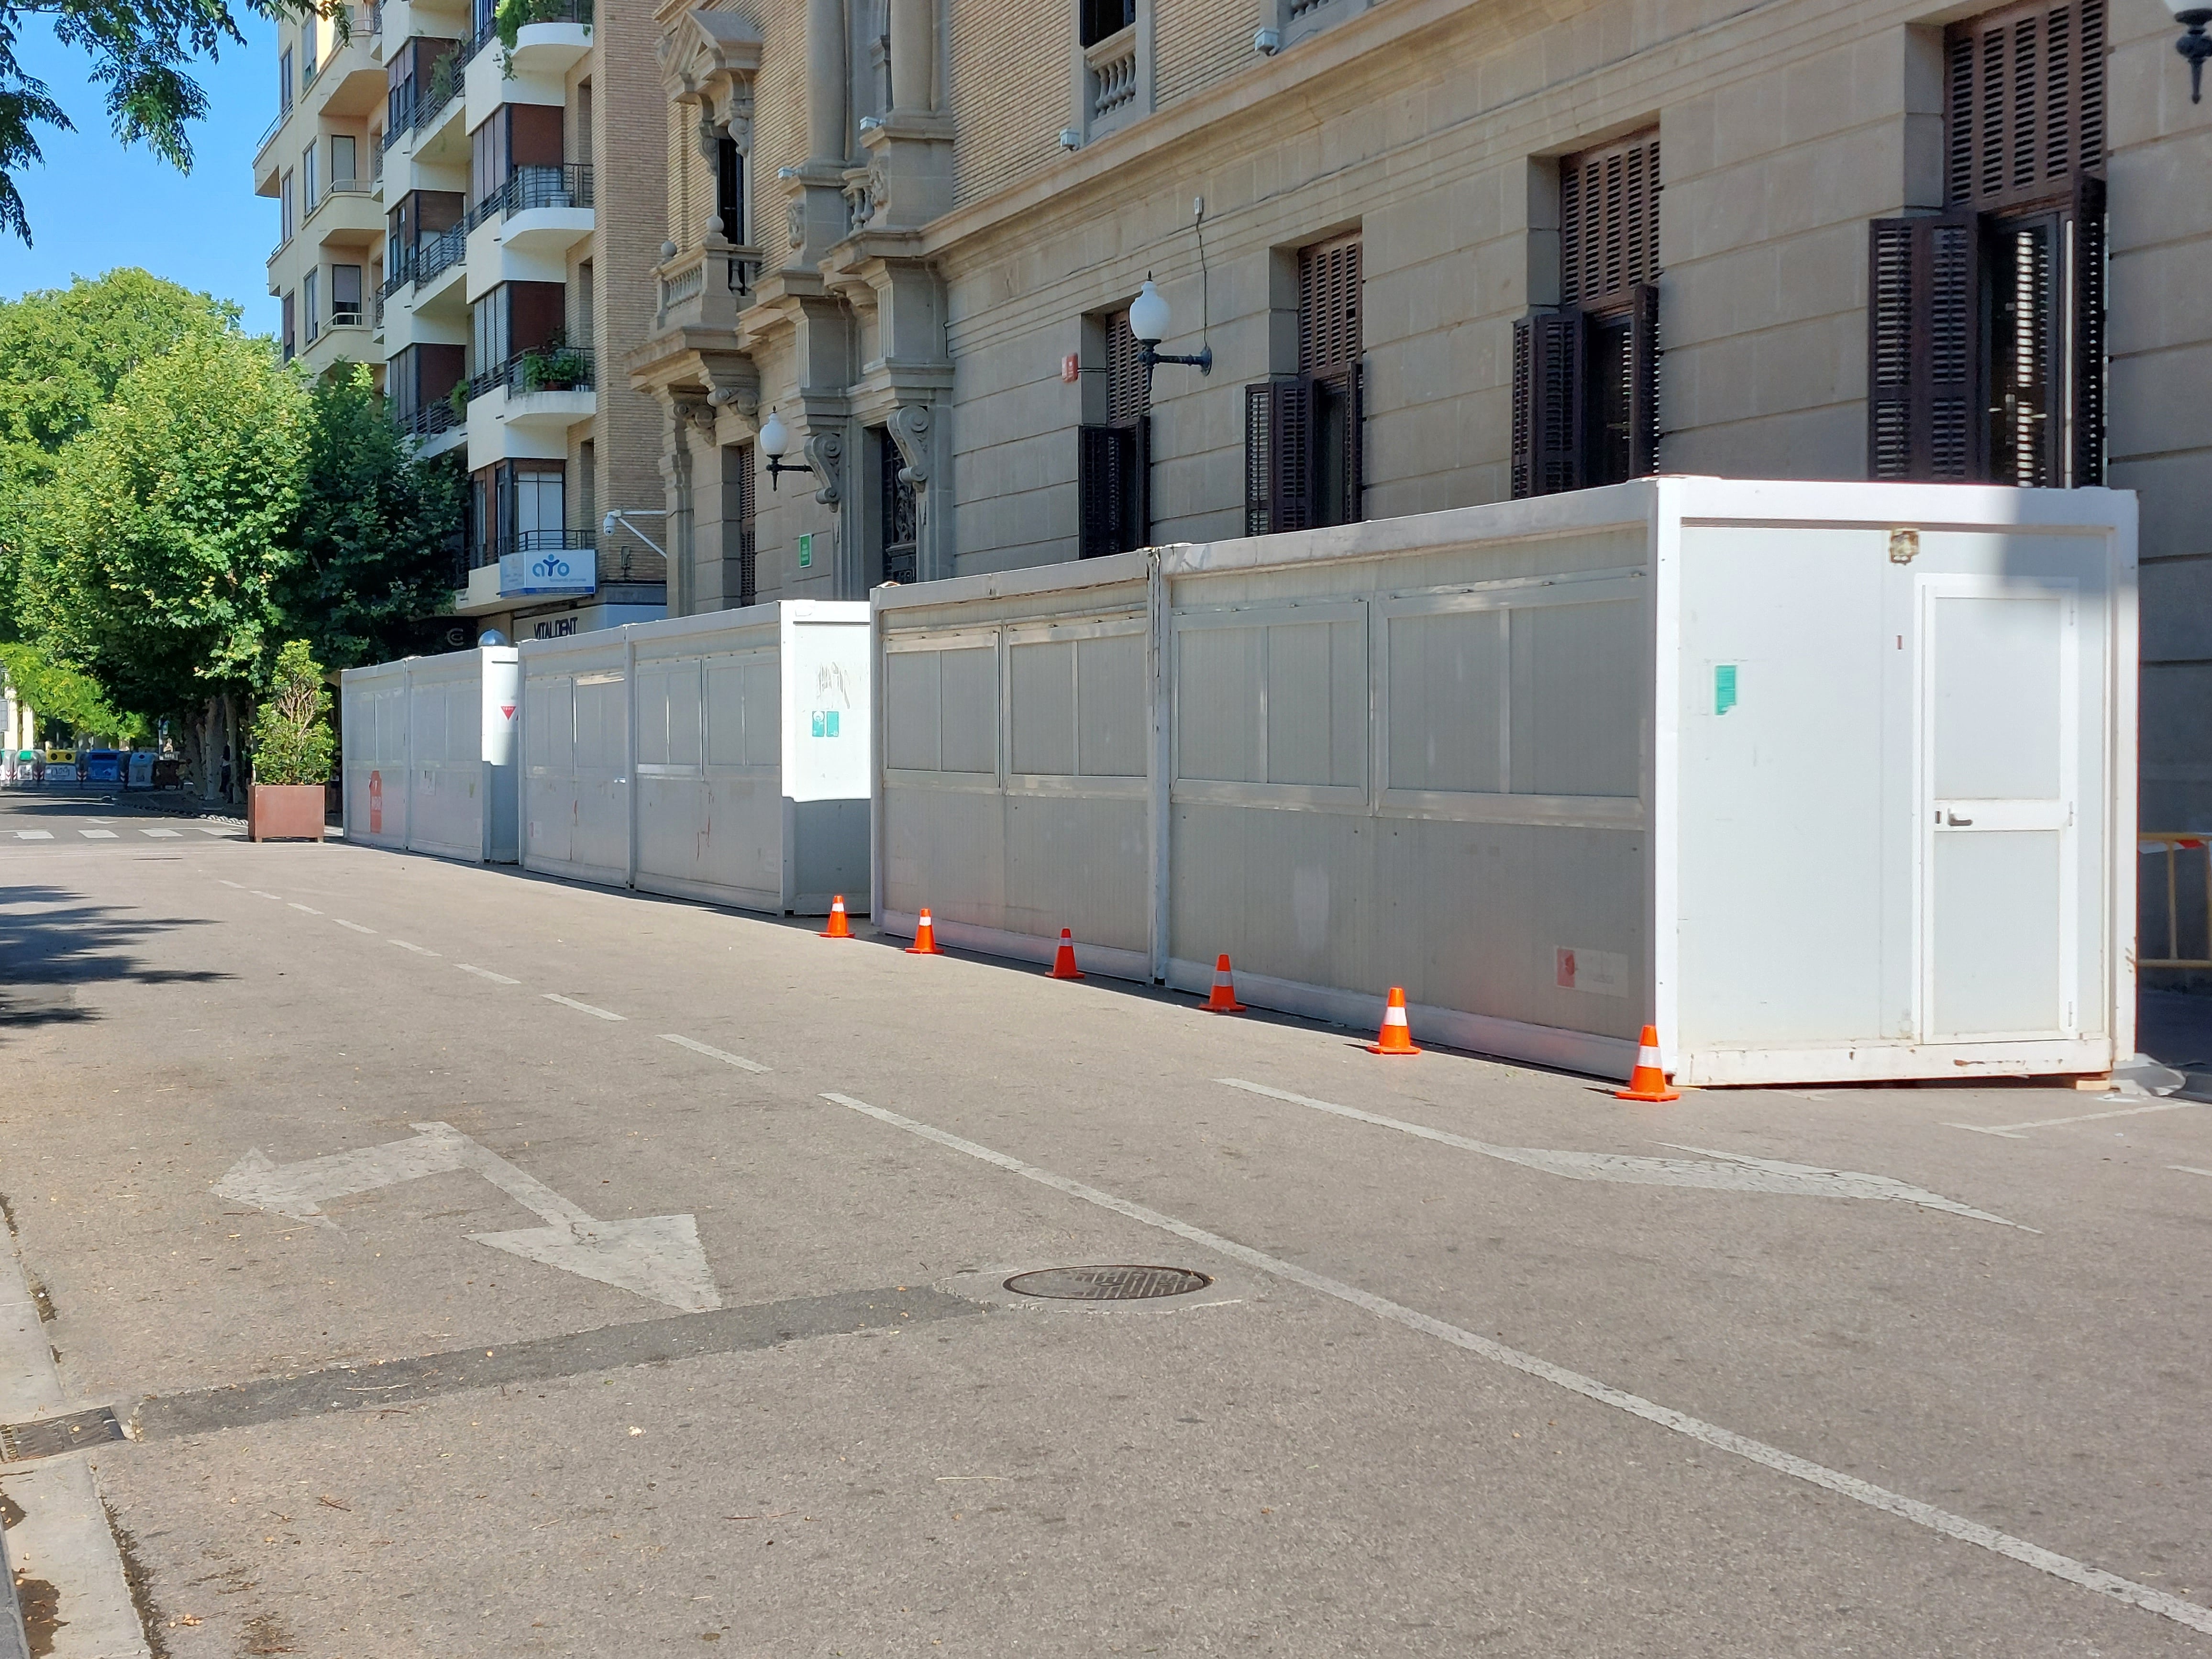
1438,252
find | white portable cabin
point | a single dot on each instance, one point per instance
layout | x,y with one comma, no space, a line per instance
429,756
722,757
1825,781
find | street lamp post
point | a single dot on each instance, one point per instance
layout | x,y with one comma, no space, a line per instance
1148,321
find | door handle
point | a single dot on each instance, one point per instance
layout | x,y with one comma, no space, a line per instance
1956,822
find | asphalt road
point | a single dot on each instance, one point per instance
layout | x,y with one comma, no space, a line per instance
1573,1379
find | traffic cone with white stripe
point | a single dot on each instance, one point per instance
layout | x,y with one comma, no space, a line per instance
925,939
1063,961
838,928
1223,999
1396,1037
1649,1080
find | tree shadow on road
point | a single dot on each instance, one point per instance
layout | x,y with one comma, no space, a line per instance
53,941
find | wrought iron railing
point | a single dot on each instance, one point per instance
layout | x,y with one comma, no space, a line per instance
528,187
429,419
541,368
440,254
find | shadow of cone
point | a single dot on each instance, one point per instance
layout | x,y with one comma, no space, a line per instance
1224,997
838,928
1063,960
1396,1037
1649,1080
925,939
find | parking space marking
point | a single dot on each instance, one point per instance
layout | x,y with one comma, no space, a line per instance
486,973
2011,1131
420,950
99,835
582,1007
309,909
355,926
1732,1172
2162,1603
34,835
698,1047
163,834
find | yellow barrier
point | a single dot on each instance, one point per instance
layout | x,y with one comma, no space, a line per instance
2181,855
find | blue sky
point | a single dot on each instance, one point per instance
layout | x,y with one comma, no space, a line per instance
93,204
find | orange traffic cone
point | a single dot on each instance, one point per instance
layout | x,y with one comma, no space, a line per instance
925,939
1396,1037
838,928
1648,1081
1063,961
1223,999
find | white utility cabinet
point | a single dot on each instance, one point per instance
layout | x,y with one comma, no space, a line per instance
722,757
1828,781
428,759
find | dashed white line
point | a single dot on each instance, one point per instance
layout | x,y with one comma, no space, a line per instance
355,926
34,835
2011,1131
486,973
227,882
309,909
698,1047
163,834
2162,1603
99,835
582,1007
420,950
258,893
2189,1169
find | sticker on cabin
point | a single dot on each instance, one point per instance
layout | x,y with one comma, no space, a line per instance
1603,973
825,722
1724,686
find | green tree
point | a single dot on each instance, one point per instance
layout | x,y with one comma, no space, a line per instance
152,559
66,699
291,726
139,51
375,532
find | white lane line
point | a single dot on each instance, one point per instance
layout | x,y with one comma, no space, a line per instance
1730,1172
582,1007
163,834
2189,1169
258,893
698,1047
420,950
227,882
355,926
99,835
2011,1131
2161,1602
486,973
34,835
309,909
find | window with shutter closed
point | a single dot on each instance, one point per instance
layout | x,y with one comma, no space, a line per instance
1112,473
1304,432
2024,102
741,462
1586,371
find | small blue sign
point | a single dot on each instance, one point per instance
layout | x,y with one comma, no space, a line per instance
825,722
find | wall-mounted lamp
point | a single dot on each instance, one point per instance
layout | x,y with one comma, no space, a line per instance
775,444
2194,44
1148,321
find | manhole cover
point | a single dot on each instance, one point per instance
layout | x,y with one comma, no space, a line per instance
21,1442
1107,1284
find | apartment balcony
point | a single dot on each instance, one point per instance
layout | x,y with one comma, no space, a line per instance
436,428
706,288
440,272
346,216
558,38
545,210
525,407
403,20
537,564
344,338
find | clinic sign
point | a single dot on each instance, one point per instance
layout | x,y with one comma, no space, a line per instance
551,570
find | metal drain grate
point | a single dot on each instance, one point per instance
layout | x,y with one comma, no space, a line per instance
21,1442
1107,1284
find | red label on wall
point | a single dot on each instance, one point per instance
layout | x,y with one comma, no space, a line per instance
376,803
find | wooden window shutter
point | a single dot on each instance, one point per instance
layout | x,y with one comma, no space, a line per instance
1102,486
1547,402
1125,371
1643,380
1259,470
1609,222
1290,494
1329,305
1925,349
748,509
2024,101
2087,326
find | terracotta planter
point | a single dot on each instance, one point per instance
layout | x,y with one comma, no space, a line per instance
284,812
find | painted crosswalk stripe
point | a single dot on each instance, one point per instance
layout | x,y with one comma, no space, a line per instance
163,834
582,1007
418,949
98,834
2164,1604
698,1047
486,973
205,830
34,835
355,926
309,909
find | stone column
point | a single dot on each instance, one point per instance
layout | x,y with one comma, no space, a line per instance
913,55
826,81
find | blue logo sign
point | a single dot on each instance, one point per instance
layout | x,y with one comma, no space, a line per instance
825,723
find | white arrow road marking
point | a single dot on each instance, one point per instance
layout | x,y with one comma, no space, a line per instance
1733,1174
658,1256
2164,1604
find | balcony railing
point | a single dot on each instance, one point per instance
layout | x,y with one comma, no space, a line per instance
429,419
545,368
695,287
270,131
528,187
1113,66
403,273
441,253
534,11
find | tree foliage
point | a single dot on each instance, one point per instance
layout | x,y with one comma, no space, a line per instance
374,530
291,727
61,695
139,52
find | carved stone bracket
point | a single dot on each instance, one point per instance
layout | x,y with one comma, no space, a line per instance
825,454
908,426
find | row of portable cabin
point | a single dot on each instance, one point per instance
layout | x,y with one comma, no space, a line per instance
1827,781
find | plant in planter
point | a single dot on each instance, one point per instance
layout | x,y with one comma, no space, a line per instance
292,746
457,400
558,368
